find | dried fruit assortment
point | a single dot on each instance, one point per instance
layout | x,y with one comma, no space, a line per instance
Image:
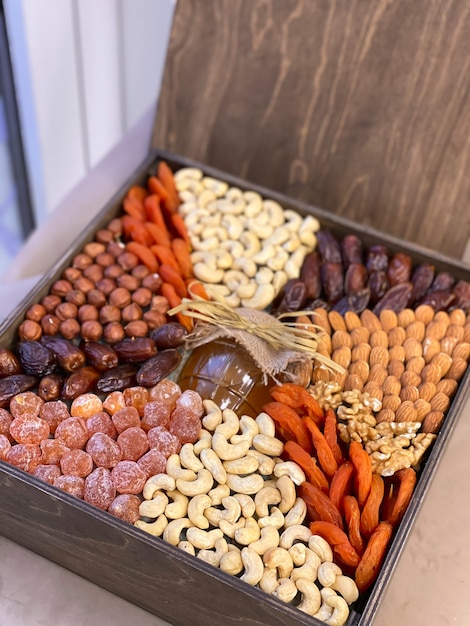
301,499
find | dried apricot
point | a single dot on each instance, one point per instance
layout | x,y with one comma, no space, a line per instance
319,505
324,453
309,465
341,482
363,465
352,515
373,556
371,510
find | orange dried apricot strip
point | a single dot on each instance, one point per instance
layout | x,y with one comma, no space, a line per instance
319,505
159,236
138,192
134,208
135,230
298,398
144,255
395,505
338,540
309,465
167,179
373,556
324,454
179,227
196,288
174,300
331,435
352,515
341,482
370,513
172,276
290,423
183,258
165,255
363,465
154,213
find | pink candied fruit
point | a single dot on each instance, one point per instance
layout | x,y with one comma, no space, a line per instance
52,450
26,403
86,405
162,440
5,422
128,477
101,423
47,473
76,463
104,451
136,397
133,443
53,413
73,432
125,506
166,391
191,402
153,462
114,402
156,413
185,426
5,446
29,429
99,488
74,485
25,456
126,418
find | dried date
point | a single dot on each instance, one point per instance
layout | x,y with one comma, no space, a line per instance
158,367
462,294
293,298
10,386
351,250
422,278
135,349
99,355
67,354
396,298
378,285
50,387
328,246
443,281
310,274
399,269
332,281
355,302
80,381
171,335
9,363
355,278
439,300
36,359
117,378
377,258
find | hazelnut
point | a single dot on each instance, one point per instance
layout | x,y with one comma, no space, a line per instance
71,274
115,226
29,330
66,310
131,312
140,271
128,281
35,312
142,296
113,271
105,259
152,282
160,304
61,287
81,261
50,324
106,285
87,312
93,272
50,302
94,248
115,248
113,332
127,260
69,328
109,314
119,297
104,235
83,284
91,330
137,328
96,298
76,297
154,319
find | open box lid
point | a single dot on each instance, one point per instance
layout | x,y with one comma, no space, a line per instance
360,108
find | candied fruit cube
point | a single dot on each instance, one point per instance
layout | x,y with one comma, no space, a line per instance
114,402
162,440
133,443
152,462
5,421
136,397
53,413
52,450
74,485
26,403
86,405
29,429
185,426
126,418
104,451
5,446
191,401
99,488
101,423
125,506
73,432
128,477
48,473
166,391
76,463
156,413
26,456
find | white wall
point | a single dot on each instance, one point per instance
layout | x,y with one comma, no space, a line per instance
87,71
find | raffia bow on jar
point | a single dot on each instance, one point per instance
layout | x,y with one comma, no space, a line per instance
238,354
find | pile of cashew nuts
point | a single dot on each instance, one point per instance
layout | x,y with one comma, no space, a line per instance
229,500
245,247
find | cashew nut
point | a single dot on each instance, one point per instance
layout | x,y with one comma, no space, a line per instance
321,547
278,261
298,553
213,415
269,539
227,451
234,226
249,533
292,534
266,425
291,469
174,469
204,442
264,295
268,445
311,598
293,220
191,173
157,483
280,559
247,504
196,510
286,590
325,611
230,424
172,533
231,562
230,528
297,514
234,278
214,556
218,494
309,569
205,273
340,611
246,465
246,265
346,587
253,565
327,573
249,484
214,465
155,507
203,539
188,547
189,459
269,582
279,280
264,276
276,519
251,243
265,497
155,528
231,511
248,429
202,484
287,489
218,187
179,507
274,211
265,463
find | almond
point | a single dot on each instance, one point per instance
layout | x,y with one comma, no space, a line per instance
466,332
370,320
447,386
443,362
461,351
427,390
431,347
424,313
410,392
432,422
379,338
337,377
391,385
416,330
336,321
342,356
396,353
457,316
388,319
440,402
379,356
320,373
324,344
431,373
385,415
359,335
378,373
391,402
422,408
361,352
406,412
352,320
410,379
436,330
320,318
415,364
396,336
457,369
374,389
413,348
396,368
341,338
448,344
454,330
353,381
361,369
442,316
406,317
